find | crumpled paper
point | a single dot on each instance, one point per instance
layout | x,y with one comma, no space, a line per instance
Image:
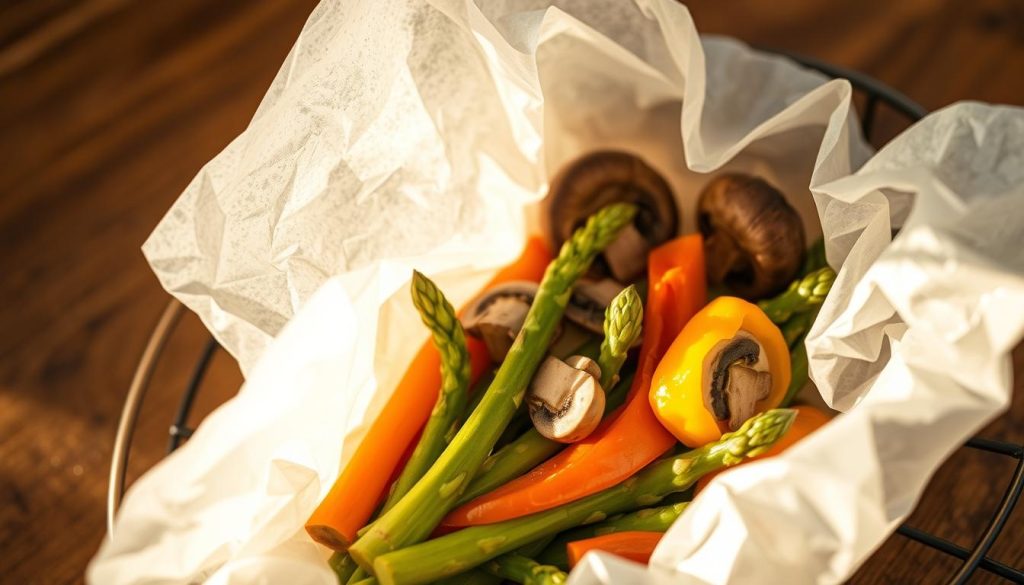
410,134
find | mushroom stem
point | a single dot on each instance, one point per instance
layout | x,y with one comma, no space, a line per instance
626,256
745,387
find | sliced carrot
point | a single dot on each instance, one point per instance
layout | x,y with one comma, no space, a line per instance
358,489
634,545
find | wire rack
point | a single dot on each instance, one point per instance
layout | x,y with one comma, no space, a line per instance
876,95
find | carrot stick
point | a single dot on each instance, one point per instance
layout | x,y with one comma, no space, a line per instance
635,546
362,483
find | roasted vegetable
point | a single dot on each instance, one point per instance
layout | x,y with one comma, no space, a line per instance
646,519
602,178
632,439
634,545
808,419
473,546
753,240
362,483
416,515
729,363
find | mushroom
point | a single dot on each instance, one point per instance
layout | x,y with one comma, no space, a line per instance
736,377
753,239
566,400
497,315
599,179
589,300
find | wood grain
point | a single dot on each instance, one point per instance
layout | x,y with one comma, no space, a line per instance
109,107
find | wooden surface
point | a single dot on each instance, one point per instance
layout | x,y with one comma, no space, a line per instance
109,107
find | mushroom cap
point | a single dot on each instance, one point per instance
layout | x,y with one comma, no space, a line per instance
754,240
497,315
598,179
566,401
589,300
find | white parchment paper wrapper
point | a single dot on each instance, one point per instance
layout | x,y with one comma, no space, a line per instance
409,134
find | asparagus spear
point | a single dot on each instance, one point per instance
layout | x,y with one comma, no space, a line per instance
529,450
815,257
474,577
416,515
470,547
520,569
623,320
479,389
343,566
805,294
450,340
798,365
358,576
647,519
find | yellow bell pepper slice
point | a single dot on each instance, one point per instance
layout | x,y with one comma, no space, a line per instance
680,394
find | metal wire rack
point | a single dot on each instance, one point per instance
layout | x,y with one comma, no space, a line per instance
876,94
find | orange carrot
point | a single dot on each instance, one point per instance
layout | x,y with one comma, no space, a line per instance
362,483
807,421
631,438
635,546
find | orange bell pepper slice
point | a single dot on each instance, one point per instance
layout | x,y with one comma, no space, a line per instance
677,391
359,488
807,421
633,437
633,545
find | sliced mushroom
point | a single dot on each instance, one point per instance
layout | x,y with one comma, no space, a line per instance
589,300
497,315
566,400
598,179
736,377
753,239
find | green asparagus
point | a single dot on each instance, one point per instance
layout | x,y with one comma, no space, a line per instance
623,320
529,450
474,577
815,258
416,515
479,389
470,547
343,566
450,340
798,365
804,294
647,519
622,325
359,575
521,569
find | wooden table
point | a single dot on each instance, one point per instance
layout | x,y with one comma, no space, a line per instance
109,107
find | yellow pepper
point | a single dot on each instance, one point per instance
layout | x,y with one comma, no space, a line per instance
729,363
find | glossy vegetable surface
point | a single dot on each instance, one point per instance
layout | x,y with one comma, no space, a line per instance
680,382
363,481
633,438
636,546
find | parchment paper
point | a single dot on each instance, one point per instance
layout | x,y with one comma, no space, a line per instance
408,134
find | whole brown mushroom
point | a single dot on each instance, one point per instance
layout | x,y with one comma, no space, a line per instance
599,179
754,240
